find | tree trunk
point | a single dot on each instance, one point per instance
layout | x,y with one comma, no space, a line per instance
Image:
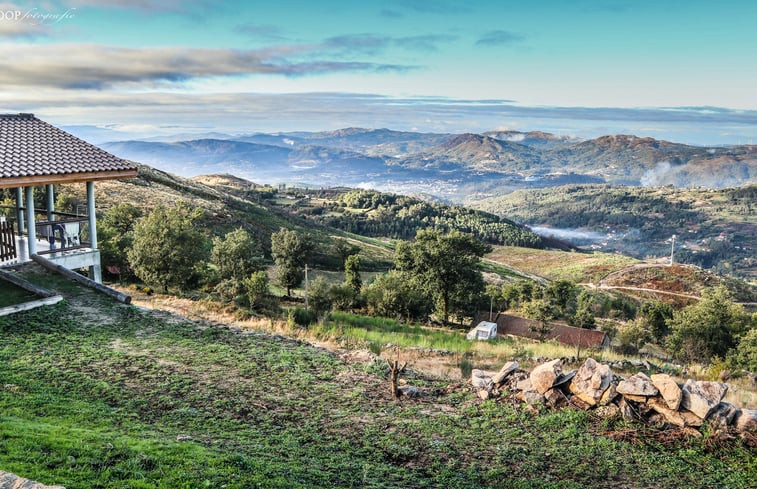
396,370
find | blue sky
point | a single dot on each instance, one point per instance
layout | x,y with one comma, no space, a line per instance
673,69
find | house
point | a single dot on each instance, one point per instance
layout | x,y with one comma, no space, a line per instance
508,324
485,330
35,156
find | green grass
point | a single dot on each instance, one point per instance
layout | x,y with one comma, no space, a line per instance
93,395
10,294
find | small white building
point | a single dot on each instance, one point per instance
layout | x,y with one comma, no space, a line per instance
484,331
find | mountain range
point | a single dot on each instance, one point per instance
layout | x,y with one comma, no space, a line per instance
447,166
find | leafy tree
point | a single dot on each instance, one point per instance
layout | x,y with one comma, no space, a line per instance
256,286
352,273
290,250
656,315
116,235
561,293
445,267
344,249
584,315
394,295
166,247
319,297
708,328
633,335
745,354
343,297
237,255
542,311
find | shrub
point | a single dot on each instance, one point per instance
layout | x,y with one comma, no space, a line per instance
236,255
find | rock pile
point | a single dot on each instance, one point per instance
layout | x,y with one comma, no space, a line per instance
11,481
658,399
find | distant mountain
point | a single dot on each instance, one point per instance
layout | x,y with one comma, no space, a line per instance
537,139
448,166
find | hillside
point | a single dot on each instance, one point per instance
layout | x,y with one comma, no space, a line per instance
96,394
714,228
449,166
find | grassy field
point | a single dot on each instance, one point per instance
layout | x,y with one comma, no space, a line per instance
552,265
94,395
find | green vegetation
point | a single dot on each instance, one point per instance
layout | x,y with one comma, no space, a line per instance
100,401
290,251
715,228
371,213
10,295
167,246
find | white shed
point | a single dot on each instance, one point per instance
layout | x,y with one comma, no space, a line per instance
484,331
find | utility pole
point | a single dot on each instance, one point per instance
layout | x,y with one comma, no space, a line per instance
672,248
491,308
306,288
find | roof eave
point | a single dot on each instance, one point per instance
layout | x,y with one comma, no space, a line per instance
37,180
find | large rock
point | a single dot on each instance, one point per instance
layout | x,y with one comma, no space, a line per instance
544,376
11,481
591,381
701,397
746,420
480,379
610,394
504,372
530,397
637,385
677,418
669,390
723,415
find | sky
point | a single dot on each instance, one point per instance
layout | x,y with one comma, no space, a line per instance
679,70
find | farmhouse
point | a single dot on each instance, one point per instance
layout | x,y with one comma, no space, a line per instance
34,157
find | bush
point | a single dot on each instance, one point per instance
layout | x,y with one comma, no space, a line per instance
392,295
229,290
236,255
633,335
300,317
256,287
745,354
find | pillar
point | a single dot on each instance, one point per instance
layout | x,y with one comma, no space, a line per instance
20,210
50,202
31,226
95,273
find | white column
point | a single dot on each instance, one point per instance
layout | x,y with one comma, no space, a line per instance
19,210
95,272
50,202
30,224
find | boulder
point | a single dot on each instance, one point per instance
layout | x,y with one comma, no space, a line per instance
555,398
484,394
564,379
608,411
480,379
11,481
701,397
637,385
610,394
524,385
530,397
723,415
504,372
745,420
591,381
669,390
677,418
626,410
545,375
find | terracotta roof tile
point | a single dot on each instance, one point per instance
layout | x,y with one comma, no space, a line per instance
32,147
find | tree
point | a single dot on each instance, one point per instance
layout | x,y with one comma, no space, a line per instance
745,354
116,235
445,267
539,310
344,249
561,293
708,328
290,250
633,335
237,255
352,273
319,297
656,315
256,286
167,246
584,315
393,295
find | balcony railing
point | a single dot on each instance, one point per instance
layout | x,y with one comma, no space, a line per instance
71,233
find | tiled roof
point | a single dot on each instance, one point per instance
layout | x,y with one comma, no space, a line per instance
30,147
517,326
